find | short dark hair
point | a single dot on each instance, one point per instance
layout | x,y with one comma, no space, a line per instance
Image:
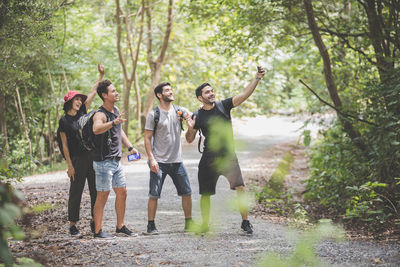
198,89
68,105
102,88
159,88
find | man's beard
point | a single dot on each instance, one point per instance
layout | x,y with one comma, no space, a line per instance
166,99
208,102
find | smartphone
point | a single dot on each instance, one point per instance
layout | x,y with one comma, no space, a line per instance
133,157
259,69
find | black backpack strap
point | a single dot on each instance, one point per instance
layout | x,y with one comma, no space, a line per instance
180,117
221,108
156,119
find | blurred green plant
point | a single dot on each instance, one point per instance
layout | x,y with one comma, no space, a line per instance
304,251
10,210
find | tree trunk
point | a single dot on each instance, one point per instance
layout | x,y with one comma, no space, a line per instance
26,128
379,41
134,56
332,89
50,138
138,101
3,126
155,65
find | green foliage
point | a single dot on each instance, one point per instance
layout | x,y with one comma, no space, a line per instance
39,208
274,194
366,204
274,189
361,185
304,251
9,211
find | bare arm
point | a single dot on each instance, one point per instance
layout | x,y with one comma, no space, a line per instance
191,132
93,91
148,134
71,169
100,124
127,143
240,98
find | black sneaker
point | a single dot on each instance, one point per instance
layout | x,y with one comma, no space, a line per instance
92,226
151,229
104,235
125,230
74,231
247,227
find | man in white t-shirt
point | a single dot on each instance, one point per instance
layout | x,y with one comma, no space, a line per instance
164,126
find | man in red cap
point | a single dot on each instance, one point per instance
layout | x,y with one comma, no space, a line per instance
79,160
109,137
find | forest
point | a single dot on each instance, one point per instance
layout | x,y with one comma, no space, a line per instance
320,56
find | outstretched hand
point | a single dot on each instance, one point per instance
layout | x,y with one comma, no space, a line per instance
260,72
189,121
100,68
120,119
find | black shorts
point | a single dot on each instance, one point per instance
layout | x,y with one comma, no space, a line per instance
210,169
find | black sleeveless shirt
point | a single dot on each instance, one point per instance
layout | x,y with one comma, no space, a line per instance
108,144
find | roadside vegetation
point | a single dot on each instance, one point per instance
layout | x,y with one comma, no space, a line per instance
320,56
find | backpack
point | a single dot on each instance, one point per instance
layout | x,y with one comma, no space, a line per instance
157,117
85,130
221,108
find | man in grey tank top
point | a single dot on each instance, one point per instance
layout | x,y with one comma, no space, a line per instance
109,173
163,147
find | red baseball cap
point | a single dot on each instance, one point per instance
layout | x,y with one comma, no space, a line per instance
71,94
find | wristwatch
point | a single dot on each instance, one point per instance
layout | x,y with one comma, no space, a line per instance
130,148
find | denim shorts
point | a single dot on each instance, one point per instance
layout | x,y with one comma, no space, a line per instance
178,174
109,174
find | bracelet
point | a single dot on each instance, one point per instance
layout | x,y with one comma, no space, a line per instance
258,78
113,124
130,148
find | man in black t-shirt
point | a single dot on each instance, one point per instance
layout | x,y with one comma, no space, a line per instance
219,158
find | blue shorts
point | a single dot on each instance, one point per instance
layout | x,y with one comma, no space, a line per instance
178,174
109,174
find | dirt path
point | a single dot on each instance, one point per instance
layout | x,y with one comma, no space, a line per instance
225,246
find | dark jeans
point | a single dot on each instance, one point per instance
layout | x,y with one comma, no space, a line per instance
83,165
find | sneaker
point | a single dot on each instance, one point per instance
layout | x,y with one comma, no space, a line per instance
102,234
190,225
74,231
203,229
151,229
125,230
247,227
92,226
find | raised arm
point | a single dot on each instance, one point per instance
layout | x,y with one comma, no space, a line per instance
100,124
93,91
191,131
240,98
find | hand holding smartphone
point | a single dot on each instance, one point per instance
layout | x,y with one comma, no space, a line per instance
133,157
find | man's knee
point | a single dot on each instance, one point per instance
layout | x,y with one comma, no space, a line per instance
121,192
